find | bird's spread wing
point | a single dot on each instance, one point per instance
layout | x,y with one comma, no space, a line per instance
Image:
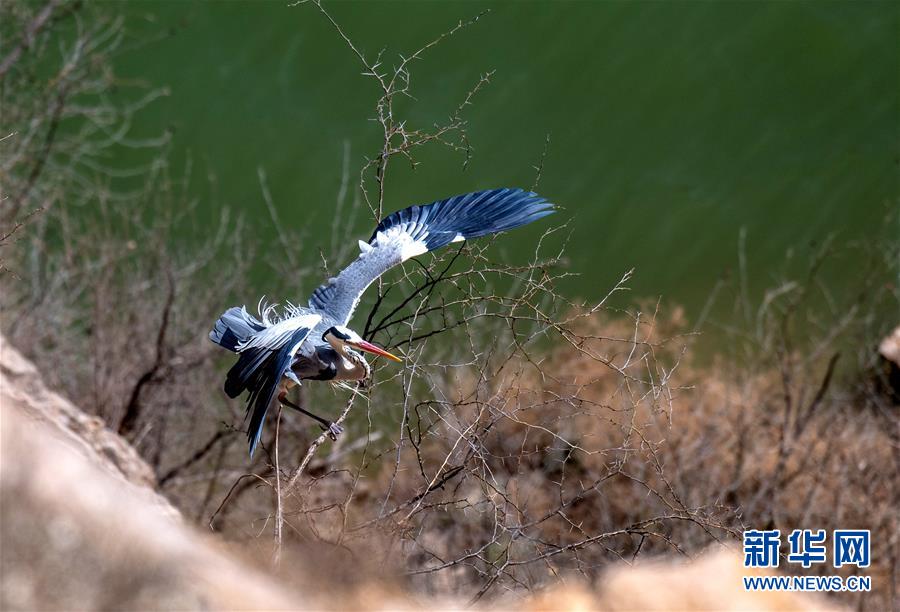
419,229
265,356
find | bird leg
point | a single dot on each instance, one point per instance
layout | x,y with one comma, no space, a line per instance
333,429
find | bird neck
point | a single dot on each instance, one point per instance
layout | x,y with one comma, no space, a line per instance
353,365
339,346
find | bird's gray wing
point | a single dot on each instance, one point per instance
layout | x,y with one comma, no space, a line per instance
419,229
258,350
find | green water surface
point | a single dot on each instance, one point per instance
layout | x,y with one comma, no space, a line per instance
673,124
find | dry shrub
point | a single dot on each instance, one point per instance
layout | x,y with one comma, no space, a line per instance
612,444
105,266
79,532
116,320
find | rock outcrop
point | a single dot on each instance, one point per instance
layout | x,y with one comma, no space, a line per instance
22,388
82,527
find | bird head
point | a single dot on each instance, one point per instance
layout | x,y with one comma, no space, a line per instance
340,336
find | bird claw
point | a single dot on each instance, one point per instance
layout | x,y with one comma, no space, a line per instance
333,430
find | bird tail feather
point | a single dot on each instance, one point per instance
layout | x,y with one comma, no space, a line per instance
263,383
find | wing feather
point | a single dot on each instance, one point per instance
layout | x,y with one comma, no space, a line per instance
422,228
274,336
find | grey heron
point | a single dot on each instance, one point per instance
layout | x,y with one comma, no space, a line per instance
279,350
